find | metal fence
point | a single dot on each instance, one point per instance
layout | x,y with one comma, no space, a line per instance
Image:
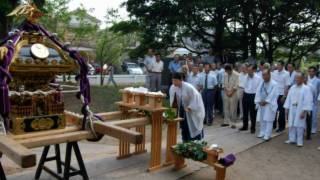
120,79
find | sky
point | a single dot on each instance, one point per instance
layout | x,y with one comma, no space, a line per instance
100,8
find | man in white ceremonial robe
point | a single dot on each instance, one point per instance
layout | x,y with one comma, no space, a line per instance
190,108
266,102
298,103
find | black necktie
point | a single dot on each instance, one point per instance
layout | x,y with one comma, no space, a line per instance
206,82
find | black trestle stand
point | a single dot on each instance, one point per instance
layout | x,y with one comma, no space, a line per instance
2,174
69,170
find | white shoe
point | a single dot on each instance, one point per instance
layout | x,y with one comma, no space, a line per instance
288,142
318,148
300,145
260,136
266,139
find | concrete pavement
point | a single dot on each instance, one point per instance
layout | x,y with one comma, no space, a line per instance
101,163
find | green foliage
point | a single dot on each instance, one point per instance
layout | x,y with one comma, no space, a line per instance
110,47
87,27
192,150
249,27
170,114
57,16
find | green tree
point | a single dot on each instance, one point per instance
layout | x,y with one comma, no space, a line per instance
110,49
86,28
248,26
57,16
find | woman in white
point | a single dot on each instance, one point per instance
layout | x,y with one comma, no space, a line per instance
298,103
266,102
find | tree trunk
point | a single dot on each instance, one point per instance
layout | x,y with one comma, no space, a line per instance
4,26
101,74
218,42
253,44
101,78
245,43
269,52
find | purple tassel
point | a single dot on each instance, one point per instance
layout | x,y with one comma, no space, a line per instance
228,160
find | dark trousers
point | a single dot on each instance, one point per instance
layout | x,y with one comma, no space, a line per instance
309,125
185,133
281,119
208,99
218,103
249,107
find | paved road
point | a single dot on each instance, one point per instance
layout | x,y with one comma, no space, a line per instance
101,163
120,79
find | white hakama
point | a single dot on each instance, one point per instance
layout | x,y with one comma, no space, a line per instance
299,100
267,92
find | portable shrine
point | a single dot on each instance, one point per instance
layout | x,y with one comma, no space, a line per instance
32,105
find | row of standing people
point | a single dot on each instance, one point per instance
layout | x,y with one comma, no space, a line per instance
245,89
259,95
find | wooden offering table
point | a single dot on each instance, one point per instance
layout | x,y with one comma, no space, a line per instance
212,160
151,105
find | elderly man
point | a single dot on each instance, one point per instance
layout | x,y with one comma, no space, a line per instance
230,86
298,104
315,82
190,108
266,101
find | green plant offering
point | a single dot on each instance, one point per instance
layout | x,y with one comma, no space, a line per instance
191,150
169,114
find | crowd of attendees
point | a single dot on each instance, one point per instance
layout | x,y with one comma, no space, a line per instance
279,95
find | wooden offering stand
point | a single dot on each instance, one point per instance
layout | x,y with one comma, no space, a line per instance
151,104
212,160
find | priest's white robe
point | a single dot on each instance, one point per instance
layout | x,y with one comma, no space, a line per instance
190,98
267,113
299,99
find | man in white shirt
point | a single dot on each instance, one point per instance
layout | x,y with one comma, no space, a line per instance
220,93
208,83
155,74
298,104
282,78
242,80
261,68
149,60
249,106
194,77
214,69
292,73
315,82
